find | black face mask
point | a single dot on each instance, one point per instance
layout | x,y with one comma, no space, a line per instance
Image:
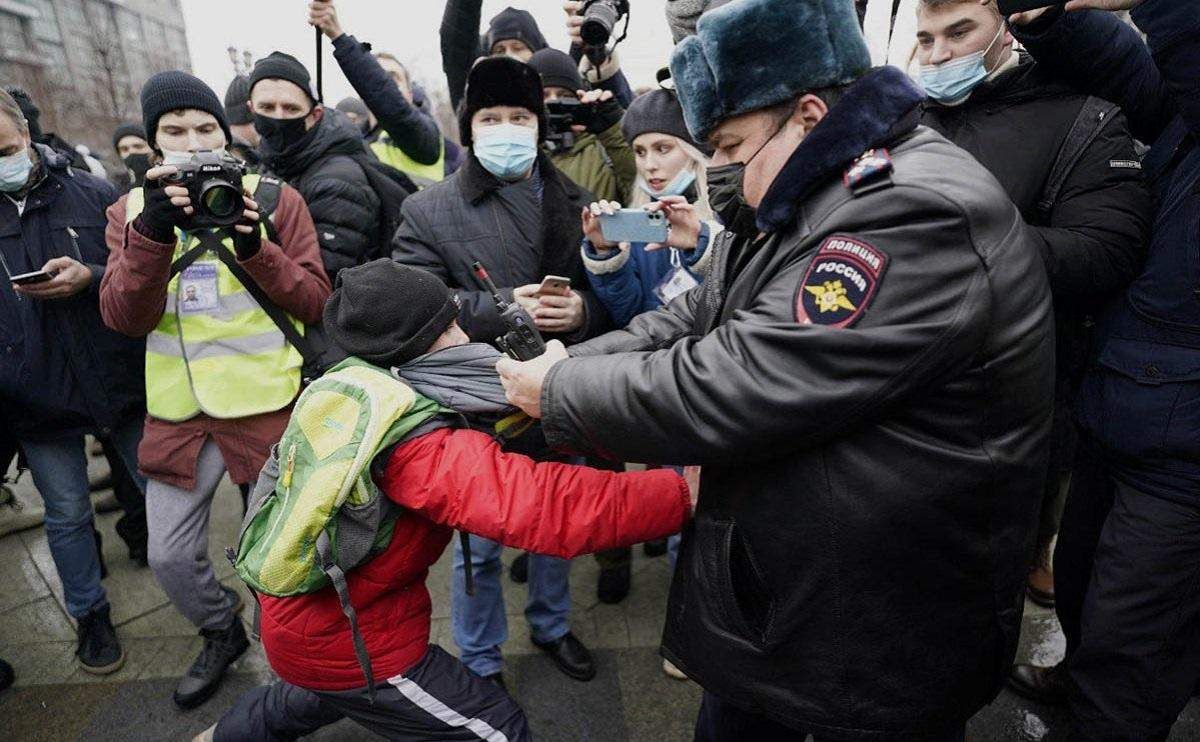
138,164
280,134
726,196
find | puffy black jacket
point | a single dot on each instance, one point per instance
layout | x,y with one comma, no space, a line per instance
62,372
868,389
472,216
343,205
1093,237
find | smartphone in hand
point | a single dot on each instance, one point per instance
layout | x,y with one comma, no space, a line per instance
27,279
554,286
634,225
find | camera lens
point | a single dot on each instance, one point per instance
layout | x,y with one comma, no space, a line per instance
598,22
221,200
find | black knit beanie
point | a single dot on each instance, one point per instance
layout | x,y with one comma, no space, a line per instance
280,66
511,23
175,90
386,313
656,111
557,70
501,81
128,129
237,95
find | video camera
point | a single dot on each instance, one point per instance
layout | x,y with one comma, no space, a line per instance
561,115
214,184
600,17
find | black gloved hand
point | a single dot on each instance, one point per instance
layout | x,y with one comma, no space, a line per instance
247,245
159,216
605,115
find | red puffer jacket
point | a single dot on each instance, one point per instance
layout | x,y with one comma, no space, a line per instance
459,479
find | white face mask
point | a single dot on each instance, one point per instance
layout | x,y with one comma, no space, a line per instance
14,171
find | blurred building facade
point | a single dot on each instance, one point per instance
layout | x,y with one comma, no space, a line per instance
84,61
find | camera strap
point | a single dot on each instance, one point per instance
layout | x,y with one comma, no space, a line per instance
211,240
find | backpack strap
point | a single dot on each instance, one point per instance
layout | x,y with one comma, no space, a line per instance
211,240
338,578
266,195
183,261
1091,120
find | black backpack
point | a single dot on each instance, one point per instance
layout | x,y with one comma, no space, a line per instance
392,186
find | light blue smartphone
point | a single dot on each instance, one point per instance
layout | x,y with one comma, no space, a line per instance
634,225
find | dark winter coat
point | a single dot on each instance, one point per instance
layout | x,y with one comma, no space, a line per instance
872,467
1093,237
409,128
1141,399
343,205
62,372
469,217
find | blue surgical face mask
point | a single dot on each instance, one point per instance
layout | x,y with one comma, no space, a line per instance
506,150
14,171
677,187
952,83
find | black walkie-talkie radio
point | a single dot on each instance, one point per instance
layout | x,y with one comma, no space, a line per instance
522,341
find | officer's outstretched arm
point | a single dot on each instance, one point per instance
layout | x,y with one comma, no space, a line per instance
825,345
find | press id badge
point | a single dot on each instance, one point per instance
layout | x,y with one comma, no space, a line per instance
198,288
676,282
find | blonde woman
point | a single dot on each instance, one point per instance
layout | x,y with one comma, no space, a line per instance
633,278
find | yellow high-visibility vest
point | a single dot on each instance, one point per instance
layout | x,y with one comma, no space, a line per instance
422,175
215,350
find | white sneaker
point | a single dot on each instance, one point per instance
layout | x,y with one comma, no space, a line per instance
671,671
206,735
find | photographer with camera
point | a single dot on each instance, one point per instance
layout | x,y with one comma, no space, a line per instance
585,141
63,374
509,208
193,272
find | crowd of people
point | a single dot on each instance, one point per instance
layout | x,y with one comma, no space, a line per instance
899,348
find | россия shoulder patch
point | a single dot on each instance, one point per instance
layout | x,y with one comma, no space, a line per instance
840,282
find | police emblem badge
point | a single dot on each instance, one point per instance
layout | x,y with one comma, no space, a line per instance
840,282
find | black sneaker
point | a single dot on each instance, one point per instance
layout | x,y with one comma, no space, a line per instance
613,585
99,651
221,648
7,676
519,571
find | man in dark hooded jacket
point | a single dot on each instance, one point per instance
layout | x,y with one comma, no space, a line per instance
319,152
866,377
1091,222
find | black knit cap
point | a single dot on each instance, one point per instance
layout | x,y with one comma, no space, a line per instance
175,90
386,313
501,81
557,70
281,66
511,23
128,129
655,111
237,95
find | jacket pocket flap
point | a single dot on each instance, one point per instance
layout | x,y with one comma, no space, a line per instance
1151,363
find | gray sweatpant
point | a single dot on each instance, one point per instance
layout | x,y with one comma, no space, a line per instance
177,520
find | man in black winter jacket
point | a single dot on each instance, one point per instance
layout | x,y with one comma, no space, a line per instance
1091,222
319,152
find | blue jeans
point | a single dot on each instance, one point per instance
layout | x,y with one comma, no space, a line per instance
479,623
59,470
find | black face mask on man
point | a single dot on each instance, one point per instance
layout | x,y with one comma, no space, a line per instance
138,164
280,134
726,194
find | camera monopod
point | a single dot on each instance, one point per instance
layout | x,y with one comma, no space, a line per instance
320,92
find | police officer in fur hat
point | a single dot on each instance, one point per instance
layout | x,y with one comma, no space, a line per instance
866,378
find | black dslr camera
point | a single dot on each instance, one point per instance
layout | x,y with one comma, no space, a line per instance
561,115
600,17
214,184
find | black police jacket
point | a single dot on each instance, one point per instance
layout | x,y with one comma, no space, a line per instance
868,387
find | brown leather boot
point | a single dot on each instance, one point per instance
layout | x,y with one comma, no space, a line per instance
1049,685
